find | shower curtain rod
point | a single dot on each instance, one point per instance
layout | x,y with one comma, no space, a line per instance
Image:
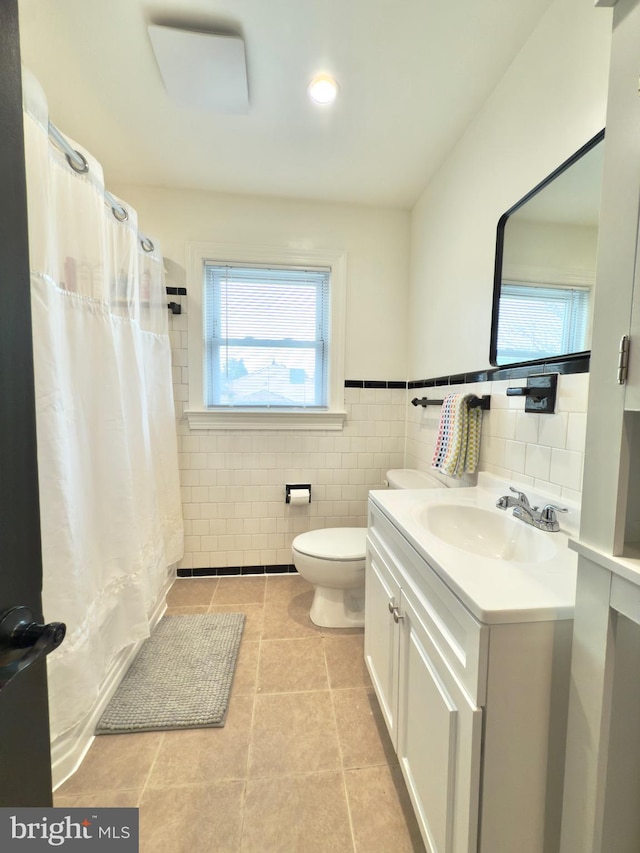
79,164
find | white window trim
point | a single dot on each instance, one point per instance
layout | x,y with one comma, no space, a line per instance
200,416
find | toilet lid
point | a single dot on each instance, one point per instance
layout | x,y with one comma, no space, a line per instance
333,543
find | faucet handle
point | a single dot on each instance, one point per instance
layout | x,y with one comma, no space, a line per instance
521,495
549,512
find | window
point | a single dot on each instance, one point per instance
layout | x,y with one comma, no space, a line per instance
265,338
538,321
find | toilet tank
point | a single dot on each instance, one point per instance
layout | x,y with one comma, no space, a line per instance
409,478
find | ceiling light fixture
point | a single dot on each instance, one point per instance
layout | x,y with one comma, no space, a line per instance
323,89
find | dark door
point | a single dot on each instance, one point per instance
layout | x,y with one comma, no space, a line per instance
25,764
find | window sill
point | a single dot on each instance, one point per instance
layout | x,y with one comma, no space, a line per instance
248,419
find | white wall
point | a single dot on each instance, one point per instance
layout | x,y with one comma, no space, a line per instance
543,451
233,481
549,103
438,286
376,241
560,249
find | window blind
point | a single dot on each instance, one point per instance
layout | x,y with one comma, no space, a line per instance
266,332
538,321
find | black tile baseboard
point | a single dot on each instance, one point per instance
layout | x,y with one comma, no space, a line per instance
576,363
227,571
374,383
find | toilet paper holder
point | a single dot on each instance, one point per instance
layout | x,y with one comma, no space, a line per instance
294,487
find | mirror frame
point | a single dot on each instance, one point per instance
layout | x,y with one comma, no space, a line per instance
497,274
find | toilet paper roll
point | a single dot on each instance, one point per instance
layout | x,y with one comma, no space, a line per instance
299,496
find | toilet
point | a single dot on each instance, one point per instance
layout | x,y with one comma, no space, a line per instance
333,560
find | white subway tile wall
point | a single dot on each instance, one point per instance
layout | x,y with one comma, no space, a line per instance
233,484
545,451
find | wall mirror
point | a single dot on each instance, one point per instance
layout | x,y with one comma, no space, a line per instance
546,264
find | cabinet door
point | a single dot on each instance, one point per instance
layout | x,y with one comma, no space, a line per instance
381,640
439,742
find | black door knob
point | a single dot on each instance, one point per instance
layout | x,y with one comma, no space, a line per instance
19,631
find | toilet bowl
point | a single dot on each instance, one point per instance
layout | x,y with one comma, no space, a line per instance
332,559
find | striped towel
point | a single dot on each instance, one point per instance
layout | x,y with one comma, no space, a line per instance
458,443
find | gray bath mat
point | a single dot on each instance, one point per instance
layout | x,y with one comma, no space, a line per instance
180,679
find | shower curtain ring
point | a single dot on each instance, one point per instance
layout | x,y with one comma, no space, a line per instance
120,213
83,168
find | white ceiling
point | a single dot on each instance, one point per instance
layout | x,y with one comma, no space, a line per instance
412,74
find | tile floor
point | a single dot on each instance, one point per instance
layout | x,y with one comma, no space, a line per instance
304,763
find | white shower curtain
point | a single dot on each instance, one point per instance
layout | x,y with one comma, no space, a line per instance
110,507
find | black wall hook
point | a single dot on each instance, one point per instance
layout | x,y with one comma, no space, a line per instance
541,392
175,307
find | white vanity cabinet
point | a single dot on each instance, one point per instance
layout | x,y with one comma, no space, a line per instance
476,712
435,725
439,739
382,634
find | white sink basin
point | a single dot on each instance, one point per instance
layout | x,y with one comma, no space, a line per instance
487,533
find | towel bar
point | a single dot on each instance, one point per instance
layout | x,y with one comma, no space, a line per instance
483,402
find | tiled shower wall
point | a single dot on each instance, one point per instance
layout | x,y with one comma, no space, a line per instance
233,484
545,451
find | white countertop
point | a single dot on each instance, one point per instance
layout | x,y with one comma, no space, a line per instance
494,590
627,565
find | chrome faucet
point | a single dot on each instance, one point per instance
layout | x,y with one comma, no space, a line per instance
544,519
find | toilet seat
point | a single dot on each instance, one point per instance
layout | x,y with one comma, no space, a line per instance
333,543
